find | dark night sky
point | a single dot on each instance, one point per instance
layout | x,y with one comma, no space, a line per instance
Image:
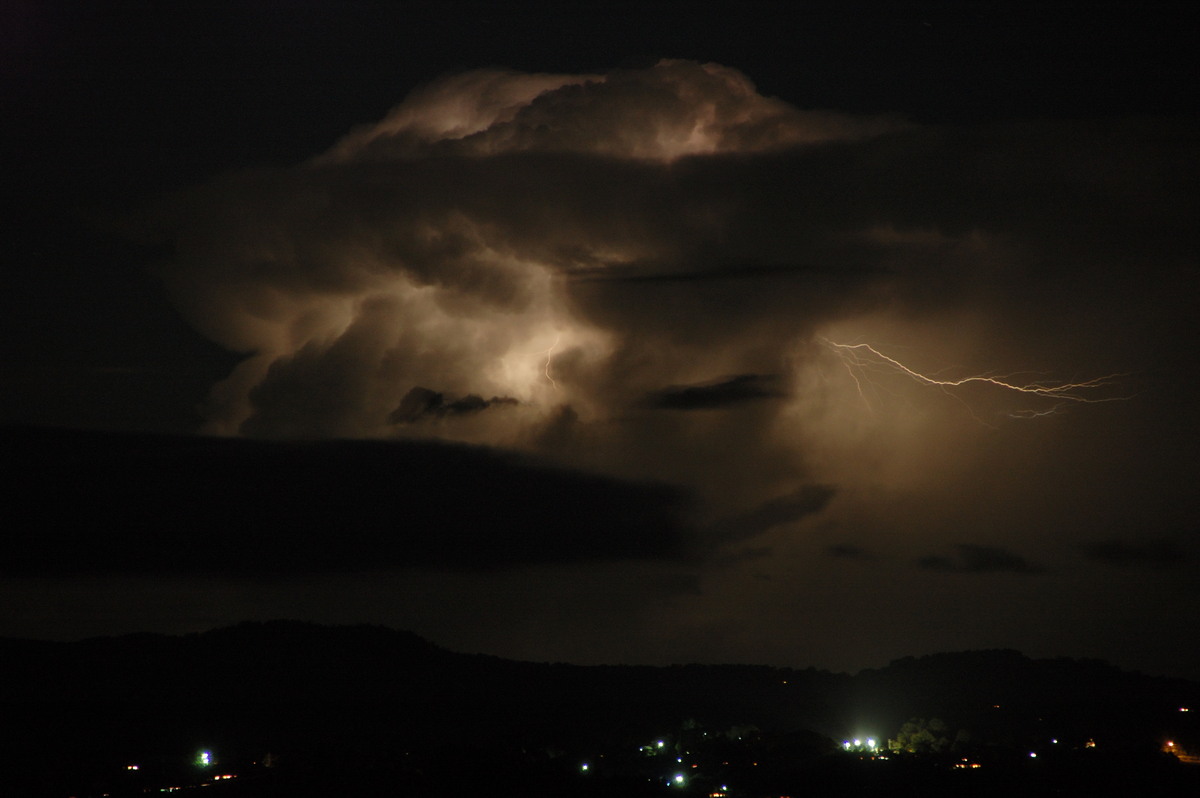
582,286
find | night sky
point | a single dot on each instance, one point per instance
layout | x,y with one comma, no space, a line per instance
798,334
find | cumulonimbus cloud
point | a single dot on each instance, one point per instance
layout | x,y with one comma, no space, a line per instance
592,250
437,247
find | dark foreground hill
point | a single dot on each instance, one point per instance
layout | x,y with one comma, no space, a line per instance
367,710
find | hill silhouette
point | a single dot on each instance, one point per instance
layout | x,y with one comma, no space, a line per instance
339,705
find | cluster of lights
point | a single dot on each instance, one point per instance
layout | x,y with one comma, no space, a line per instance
653,748
857,745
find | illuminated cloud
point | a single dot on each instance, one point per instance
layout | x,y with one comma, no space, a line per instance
551,263
671,110
482,240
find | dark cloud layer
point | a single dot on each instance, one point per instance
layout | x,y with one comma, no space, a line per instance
723,393
421,403
975,559
801,503
101,504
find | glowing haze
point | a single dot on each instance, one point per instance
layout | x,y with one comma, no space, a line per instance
662,275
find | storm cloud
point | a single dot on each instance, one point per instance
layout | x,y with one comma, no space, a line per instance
586,240
654,276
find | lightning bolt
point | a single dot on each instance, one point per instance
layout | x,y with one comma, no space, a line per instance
549,357
860,358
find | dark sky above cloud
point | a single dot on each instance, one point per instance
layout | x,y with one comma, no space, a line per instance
592,306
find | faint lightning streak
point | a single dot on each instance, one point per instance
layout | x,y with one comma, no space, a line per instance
857,382
862,356
1036,413
549,357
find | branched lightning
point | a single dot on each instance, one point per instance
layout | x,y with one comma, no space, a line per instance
859,358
